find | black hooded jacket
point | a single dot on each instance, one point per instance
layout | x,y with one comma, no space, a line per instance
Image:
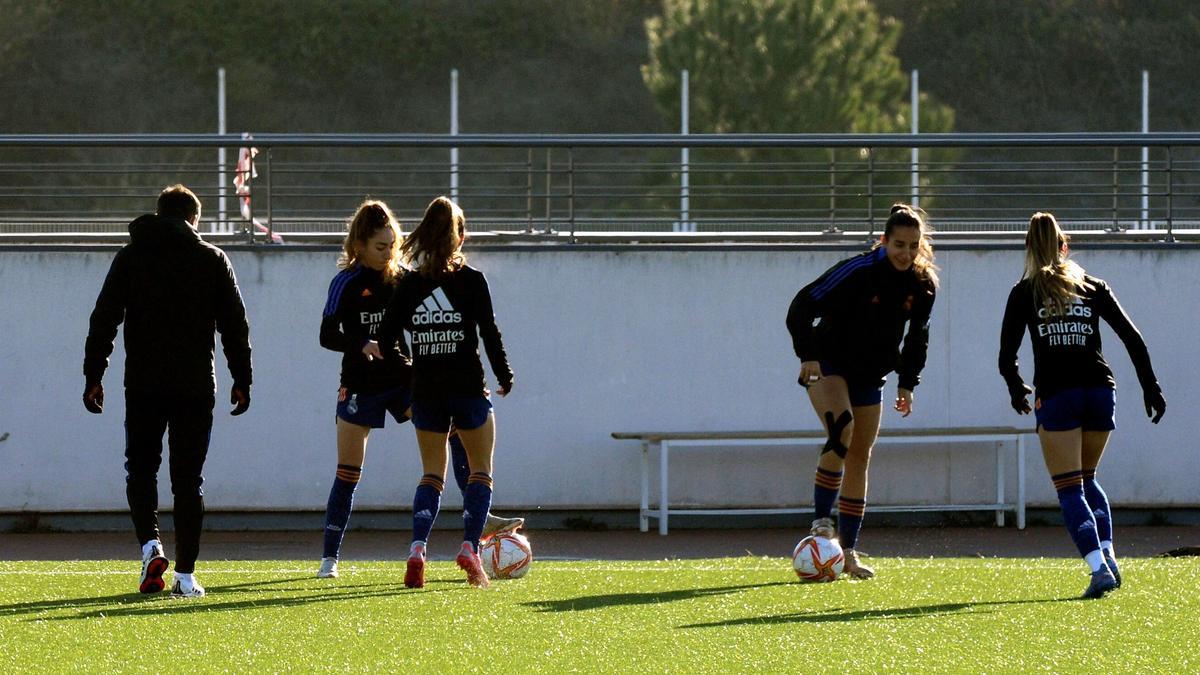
171,290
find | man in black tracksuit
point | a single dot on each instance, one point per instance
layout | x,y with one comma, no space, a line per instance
171,290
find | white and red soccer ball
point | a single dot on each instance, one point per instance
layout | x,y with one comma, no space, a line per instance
818,559
506,555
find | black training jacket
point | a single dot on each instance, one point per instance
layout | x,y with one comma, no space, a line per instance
1066,349
445,318
353,312
860,307
171,290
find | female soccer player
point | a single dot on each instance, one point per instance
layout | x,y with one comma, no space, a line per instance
446,307
358,295
862,305
1061,306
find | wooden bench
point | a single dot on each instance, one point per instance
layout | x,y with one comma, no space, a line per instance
665,441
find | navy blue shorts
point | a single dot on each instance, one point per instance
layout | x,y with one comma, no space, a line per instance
1087,408
863,392
368,410
467,412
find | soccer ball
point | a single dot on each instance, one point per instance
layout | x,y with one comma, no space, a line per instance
818,559
506,555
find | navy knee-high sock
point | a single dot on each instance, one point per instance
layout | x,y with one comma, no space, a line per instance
1078,518
458,461
1098,502
426,503
476,502
337,510
850,519
825,491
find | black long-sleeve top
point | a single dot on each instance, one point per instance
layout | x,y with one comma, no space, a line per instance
353,313
1066,348
860,307
171,290
445,318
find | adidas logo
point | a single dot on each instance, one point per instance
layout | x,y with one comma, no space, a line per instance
1086,525
423,514
436,309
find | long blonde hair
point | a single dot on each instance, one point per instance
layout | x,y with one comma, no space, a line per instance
371,217
435,246
906,215
1055,280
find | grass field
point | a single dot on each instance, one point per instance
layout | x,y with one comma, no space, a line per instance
734,614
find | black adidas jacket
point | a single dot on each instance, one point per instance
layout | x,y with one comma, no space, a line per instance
171,290
353,312
1066,349
446,318
862,304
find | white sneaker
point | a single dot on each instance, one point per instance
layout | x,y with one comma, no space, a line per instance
154,565
328,569
182,590
495,525
823,527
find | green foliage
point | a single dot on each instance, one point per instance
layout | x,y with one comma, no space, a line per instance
789,66
720,615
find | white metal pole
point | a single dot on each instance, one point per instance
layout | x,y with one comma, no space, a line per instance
684,198
916,129
1145,224
222,223
454,132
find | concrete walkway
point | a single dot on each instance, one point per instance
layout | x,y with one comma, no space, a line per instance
612,545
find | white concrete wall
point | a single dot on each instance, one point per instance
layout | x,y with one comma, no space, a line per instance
601,341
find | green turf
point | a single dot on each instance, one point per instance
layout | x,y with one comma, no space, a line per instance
741,614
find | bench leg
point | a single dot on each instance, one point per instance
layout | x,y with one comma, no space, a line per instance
644,504
1000,483
1021,482
662,487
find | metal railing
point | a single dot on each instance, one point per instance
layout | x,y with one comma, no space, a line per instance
307,185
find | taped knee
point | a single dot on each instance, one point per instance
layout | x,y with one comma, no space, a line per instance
836,427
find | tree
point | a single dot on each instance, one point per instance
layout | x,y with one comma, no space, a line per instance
787,66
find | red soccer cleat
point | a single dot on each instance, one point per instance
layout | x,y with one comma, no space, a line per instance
468,560
414,576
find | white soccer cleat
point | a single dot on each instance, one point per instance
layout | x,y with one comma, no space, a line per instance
823,527
495,525
154,565
855,568
329,569
180,589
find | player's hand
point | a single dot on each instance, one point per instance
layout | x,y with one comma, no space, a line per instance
240,399
93,399
504,389
904,402
1156,405
371,350
1017,396
810,371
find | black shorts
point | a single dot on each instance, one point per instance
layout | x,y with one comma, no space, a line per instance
368,410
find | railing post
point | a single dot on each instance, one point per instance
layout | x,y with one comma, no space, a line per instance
270,193
871,193
1170,197
549,157
1116,185
833,228
529,192
571,191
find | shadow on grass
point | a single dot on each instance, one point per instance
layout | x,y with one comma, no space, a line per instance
218,598
647,598
839,614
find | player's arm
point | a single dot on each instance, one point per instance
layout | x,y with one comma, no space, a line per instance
489,333
331,336
107,315
235,334
1112,312
916,343
1012,329
811,303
